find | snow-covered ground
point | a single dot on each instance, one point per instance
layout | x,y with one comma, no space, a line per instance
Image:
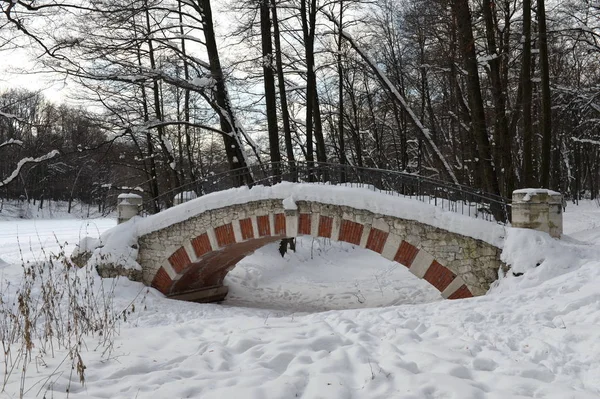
533,336
32,238
323,275
14,209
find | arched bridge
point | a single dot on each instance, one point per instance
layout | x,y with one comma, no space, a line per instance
186,251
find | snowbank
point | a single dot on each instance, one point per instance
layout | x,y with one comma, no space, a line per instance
535,257
114,253
535,335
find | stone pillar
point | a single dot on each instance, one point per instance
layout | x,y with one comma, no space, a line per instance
128,207
538,209
555,213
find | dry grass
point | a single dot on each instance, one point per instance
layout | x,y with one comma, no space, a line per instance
52,311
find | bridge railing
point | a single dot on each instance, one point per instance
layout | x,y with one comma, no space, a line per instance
453,197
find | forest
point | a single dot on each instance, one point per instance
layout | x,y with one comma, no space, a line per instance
496,95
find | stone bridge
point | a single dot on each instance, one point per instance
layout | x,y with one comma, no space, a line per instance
189,258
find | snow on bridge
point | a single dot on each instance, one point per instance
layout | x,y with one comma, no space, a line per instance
186,251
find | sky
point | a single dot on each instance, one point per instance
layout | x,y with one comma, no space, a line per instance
16,68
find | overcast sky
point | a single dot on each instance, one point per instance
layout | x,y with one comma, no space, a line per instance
15,71
17,66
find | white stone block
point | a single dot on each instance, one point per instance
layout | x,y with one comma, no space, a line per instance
391,246
452,287
291,224
380,224
336,223
212,238
314,224
365,235
421,263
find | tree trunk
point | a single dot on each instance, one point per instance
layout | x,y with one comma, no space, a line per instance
310,87
228,121
186,103
546,111
158,111
151,171
503,149
285,114
478,123
528,178
269,84
340,71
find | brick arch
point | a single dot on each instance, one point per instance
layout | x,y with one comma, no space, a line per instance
190,260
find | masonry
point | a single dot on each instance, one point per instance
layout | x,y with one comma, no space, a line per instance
189,260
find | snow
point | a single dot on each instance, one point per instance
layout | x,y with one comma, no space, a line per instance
36,238
17,209
118,246
533,336
289,204
355,197
203,82
323,275
25,161
588,141
129,196
529,192
10,141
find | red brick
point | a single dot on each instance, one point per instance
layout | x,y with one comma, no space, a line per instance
179,260
406,254
201,245
280,226
264,225
351,232
225,235
246,228
439,276
304,222
190,276
376,240
325,225
462,292
162,281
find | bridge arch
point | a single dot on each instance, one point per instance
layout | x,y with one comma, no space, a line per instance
189,259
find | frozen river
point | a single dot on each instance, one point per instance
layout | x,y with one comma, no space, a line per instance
24,239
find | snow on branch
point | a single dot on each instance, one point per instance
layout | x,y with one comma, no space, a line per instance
587,141
12,116
11,142
25,161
